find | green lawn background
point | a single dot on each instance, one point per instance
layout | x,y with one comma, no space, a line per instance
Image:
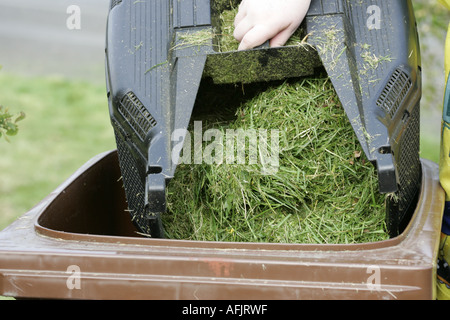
67,123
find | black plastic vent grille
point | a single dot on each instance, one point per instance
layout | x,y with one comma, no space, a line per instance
133,182
138,117
395,91
409,168
410,174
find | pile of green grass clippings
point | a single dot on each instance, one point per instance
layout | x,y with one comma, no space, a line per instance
321,190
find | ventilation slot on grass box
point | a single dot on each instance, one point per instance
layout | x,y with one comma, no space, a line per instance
137,115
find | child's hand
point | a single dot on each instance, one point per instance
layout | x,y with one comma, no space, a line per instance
260,20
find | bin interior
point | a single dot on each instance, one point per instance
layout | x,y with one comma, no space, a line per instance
93,204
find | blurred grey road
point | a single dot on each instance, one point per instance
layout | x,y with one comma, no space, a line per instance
35,39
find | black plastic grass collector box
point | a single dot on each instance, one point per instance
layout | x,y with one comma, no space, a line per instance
153,77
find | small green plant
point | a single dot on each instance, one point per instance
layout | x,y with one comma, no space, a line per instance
8,123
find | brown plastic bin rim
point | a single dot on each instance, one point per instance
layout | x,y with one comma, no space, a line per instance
430,201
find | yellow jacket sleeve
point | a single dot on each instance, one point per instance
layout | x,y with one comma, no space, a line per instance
444,162
445,3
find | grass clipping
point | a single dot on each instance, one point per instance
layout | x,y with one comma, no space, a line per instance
324,190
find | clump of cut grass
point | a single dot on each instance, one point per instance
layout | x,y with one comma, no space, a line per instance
196,39
323,191
371,61
226,41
